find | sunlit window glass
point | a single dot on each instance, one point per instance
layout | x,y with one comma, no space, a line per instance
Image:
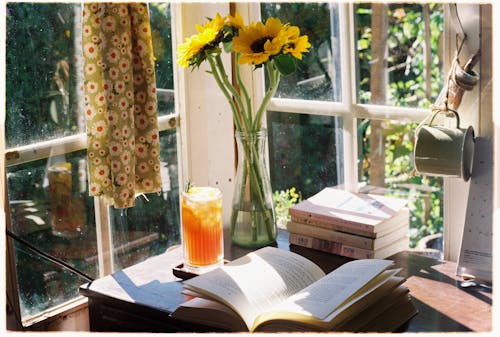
51,210
42,83
386,166
161,22
318,73
303,155
400,54
152,225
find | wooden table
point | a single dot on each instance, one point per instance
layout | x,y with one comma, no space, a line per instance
141,297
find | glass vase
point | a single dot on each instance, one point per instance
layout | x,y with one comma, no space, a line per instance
252,218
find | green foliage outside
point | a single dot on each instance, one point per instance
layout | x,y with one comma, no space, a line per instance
161,24
39,91
283,200
313,78
406,87
302,148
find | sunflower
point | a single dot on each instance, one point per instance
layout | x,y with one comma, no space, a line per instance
296,44
192,51
258,42
214,25
187,50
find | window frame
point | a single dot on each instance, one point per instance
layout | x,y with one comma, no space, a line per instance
43,150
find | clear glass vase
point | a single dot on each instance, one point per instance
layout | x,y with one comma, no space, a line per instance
252,218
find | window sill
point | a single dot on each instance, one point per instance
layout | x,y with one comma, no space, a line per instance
42,320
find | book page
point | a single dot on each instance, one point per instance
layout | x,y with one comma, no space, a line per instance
203,311
335,289
254,283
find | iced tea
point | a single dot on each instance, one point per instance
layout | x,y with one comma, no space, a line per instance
202,228
67,208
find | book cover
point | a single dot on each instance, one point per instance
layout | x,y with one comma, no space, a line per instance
348,238
367,214
338,248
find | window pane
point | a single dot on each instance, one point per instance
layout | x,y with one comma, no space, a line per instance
41,81
161,21
50,209
303,151
399,50
318,74
153,224
386,164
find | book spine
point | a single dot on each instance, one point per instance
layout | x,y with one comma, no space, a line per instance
330,222
331,247
332,225
331,235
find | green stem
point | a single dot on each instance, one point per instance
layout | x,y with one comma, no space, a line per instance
215,74
233,91
257,188
252,172
243,87
274,79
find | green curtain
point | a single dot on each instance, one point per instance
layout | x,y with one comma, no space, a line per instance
120,102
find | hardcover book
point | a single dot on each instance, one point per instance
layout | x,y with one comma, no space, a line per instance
348,238
342,249
275,290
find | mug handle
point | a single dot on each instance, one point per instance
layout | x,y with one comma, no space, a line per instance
439,110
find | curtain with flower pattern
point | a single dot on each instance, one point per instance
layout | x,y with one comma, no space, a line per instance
120,102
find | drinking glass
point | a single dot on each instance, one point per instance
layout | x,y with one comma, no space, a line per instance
67,207
202,229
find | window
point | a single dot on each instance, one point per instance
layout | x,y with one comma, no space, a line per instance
325,124
46,170
314,141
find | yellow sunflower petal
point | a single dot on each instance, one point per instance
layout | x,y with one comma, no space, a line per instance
236,20
293,32
207,34
275,45
273,27
255,58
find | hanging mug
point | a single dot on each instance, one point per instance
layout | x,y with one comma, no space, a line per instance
443,151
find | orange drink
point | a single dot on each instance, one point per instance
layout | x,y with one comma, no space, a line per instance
67,209
202,228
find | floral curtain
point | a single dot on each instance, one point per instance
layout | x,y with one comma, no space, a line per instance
120,102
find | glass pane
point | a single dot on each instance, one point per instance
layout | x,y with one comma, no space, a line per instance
318,74
41,80
400,53
153,224
304,152
50,209
386,166
161,21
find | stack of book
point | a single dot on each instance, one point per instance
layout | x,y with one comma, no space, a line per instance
356,225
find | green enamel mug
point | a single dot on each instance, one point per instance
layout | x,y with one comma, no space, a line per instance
443,151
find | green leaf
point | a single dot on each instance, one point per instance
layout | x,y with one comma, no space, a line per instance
228,46
285,64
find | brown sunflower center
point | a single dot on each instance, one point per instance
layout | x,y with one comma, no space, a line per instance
258,45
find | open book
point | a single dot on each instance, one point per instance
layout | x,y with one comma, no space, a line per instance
277,290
